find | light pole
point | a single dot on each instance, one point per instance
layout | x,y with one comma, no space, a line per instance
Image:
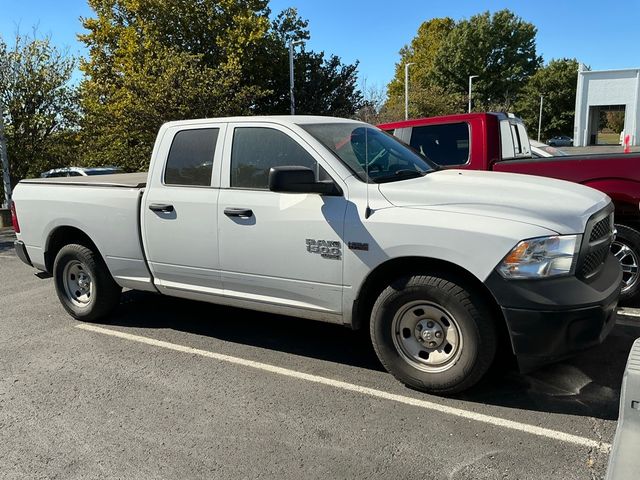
471,77
540,117
406,90
4,163
293,100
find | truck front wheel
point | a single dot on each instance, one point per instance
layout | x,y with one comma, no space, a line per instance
626,248
83,283
433,334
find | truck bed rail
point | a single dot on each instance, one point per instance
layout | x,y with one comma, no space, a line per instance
119,180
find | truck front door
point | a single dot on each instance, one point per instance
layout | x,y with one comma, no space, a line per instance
282,249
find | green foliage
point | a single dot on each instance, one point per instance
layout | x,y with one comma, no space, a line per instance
39,106
153,61
499,47
323,86
428,97
326,86
614,120
422,53
557,83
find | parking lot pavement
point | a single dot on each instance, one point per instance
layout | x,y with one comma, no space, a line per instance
178,389
596,149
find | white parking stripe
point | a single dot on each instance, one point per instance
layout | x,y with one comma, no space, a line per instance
629,312
457,412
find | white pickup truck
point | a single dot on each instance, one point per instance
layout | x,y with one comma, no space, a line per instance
334,220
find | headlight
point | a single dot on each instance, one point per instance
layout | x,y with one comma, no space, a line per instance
541,257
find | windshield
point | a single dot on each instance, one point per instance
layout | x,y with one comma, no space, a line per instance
365,148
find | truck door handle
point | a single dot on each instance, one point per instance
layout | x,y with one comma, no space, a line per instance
238,212
161,207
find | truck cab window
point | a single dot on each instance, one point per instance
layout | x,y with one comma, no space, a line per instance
256,149
446,144
190,161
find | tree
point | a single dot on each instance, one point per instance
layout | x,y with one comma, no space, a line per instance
500,48
422,52
151,61
557,83
322,86
39,106
373,99
615,120
427,97
270,62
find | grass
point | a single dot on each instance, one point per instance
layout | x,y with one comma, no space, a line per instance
608,138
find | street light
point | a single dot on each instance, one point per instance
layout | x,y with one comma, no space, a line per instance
406,90
293,100
4,164
540,117
471,77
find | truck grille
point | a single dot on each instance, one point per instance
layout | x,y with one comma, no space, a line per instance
601,229
592,261
593,253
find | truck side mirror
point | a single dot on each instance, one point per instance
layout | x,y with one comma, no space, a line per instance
296,179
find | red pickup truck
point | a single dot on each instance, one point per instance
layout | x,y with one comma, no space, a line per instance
499,142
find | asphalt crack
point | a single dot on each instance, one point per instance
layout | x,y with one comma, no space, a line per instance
594,454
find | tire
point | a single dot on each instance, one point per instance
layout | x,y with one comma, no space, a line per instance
626,249
83,284
433,304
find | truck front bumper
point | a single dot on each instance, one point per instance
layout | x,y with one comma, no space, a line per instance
554,318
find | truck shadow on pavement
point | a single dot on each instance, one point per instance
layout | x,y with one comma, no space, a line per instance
6,240
587,384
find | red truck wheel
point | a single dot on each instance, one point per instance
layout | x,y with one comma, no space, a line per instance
626,249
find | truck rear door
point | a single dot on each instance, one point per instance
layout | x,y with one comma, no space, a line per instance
179,211
279,248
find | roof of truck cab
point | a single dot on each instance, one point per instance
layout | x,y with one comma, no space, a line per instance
280,119
458,117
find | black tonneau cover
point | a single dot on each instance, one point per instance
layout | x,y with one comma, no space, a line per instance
121,180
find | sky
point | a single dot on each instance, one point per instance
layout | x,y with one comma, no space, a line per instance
603,35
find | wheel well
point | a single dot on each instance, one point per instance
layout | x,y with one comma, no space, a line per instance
627,214
62,236
628,222
384,274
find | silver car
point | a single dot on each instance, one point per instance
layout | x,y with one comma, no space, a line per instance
560,141
80,172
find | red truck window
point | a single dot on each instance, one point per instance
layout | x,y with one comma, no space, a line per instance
446,144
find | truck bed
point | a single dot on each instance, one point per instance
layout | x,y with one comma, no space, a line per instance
106,208
578,168
120,180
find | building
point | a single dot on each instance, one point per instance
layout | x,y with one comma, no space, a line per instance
606,90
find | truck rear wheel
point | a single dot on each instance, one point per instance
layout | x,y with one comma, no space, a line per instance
83,283
626,248
433,334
